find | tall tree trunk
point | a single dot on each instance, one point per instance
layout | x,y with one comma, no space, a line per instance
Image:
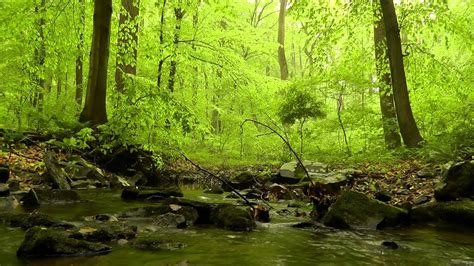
94,109
80,52
179,14
281,40
40,55
387,106
127,42
408,128
162,40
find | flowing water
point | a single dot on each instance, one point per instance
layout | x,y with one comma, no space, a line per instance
271,244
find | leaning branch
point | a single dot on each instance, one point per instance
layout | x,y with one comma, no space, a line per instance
220,179
283,139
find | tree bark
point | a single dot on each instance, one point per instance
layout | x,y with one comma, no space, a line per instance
80,52
40,56
179,14
162,59
127,42
94,109
408,128
281,40
387,106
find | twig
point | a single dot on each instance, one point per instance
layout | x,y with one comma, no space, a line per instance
220,179
283,139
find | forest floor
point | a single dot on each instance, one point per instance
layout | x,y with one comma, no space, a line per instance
405,182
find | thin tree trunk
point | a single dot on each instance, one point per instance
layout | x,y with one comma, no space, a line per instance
387,106
40,55
408,128
94,109
80,52
179,14
127,42
162,60
281,40
59,87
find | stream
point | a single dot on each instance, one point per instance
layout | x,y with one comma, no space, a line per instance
276,243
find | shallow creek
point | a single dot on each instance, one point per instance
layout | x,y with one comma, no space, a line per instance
271,244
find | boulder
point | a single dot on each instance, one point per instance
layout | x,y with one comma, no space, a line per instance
4,173
35,197
457,182
105,232
383,196
189,213
102,218
170,220
355,210
293,172
451,212
330,182
55,172
231,217
41,242
156,243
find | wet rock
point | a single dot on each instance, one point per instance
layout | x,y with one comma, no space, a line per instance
383,196
232,218
458,182
56,174
293,172
4,173
420,200
84,184
117,181
451,212
390,244
252,193
170,220
131,193
4,190
156,243
105,232
240,181
102,218
35,197
41,242
27,220
189,213
277,192
330,182
8,203
203,209
355,210
426,173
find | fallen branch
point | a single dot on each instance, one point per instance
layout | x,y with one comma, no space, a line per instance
283,139
220,179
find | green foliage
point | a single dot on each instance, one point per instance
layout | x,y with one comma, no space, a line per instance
227,71
299,104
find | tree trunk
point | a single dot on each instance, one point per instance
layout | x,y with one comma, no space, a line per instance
179,14
389,115
281,40
162,59
127,42
80,49
94,109
40,55
408,128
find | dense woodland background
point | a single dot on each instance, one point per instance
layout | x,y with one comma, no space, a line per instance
187,73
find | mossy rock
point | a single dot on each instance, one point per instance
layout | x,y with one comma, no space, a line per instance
231,217
42,242
451,212
355,210
156,243
27,220
458,182
105,232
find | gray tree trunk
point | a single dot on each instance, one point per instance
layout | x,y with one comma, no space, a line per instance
94,109
281,40
408,128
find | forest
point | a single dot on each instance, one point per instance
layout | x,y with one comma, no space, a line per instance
241,132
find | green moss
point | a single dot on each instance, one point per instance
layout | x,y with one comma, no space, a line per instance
233,218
